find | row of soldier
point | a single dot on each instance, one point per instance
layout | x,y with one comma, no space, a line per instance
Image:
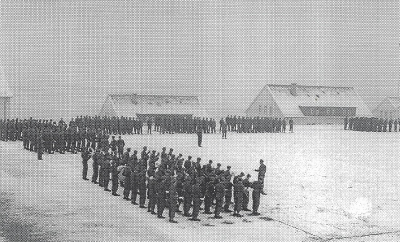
371,124
169,181
257,124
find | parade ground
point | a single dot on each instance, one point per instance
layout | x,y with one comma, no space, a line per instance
323,183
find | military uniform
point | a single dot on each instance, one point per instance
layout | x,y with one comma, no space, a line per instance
219,198
151,195
196,196
238,191
257,189
85,158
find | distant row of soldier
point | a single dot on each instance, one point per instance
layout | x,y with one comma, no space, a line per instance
173,181
257,124
371,124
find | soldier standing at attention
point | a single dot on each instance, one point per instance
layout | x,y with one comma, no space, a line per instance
106,171
127,182
257,189
173,200
151,195
40,144
246,194
219,198
224,129
120,146
238,191
114,175
228,190
284,125
149,124
291,125
196,196
85,154
187,195
113,144
199,137
161,190
95,166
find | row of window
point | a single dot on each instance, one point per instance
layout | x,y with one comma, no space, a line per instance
268,110
328,111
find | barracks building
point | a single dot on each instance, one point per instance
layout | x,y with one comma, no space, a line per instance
144,106
308,104
389,108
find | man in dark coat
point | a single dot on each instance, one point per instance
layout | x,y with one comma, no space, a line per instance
219,198
85,154
261,173
196,196
161,195
151,195
199,137
187,196
238,196
95,165
120,146
173,200
209,196
114,175
257,189
246,193
106,165
127,182
224,129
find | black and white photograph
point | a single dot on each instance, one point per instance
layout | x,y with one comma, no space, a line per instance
200,120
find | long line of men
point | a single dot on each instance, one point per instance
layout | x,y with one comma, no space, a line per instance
169,181
371,124
257,124
51,136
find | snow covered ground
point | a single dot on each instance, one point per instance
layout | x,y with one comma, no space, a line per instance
323,184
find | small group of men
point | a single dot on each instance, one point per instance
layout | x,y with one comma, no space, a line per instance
166,180
257,124
371,124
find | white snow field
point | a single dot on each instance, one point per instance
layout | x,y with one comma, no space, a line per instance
323,184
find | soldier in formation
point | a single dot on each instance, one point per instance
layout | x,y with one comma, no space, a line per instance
371,124
173,182
257,124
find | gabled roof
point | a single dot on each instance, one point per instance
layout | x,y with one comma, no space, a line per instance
315,96
131,104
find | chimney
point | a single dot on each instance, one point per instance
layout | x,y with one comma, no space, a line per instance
293,89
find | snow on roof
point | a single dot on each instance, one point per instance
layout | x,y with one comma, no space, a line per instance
316,96
131,104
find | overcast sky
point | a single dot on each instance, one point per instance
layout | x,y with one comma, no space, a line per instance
62,58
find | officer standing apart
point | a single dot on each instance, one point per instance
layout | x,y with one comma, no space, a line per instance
261,174
199,137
